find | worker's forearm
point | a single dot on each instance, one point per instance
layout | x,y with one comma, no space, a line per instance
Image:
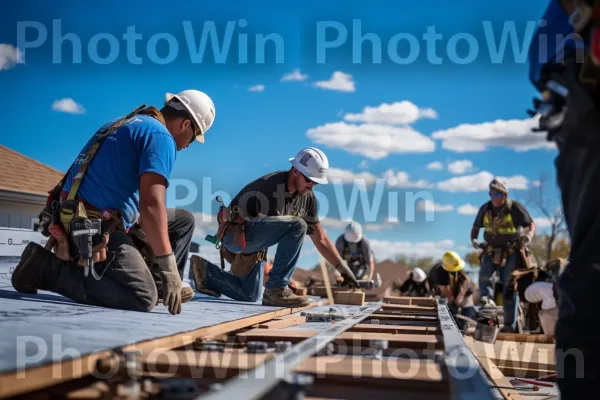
474,233
154,221
532,229
371,269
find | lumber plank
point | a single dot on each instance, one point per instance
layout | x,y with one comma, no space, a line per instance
414,341
408,308
186,363
394,329
525,337
355,298
498,378
516,354
284,322
414,301
384,315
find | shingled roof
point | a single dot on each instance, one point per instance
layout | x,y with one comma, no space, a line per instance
20,173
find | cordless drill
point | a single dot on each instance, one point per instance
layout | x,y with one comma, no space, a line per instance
83,230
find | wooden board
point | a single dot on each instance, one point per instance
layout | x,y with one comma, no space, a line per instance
410,301
432,330
224,365
413,341
354,298
499,379
506,354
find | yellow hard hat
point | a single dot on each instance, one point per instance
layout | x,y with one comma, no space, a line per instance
452,262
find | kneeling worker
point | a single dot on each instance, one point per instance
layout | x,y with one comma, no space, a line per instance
416,285
450,281
356,250
121,181
279,208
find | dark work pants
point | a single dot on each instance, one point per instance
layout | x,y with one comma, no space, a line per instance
127,282
578,175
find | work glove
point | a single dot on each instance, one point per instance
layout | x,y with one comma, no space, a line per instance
526,239
346,273
475,244
171,282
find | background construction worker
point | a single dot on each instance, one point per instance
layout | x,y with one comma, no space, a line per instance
569,115
500,218
129,174
448,279
355,248
281,209
416,285
544,293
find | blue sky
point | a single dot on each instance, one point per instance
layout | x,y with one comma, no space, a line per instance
441,130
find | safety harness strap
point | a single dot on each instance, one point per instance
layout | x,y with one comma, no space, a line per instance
68,213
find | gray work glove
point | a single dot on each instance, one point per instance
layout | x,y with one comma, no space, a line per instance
349,279
475,244
171,282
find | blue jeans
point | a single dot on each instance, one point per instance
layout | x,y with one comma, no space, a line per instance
286,232
485,289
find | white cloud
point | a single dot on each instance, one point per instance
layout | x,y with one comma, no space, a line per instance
435,166
429,206
363,164
460,167
398,113
387,225
402,180
371,140
256,88
339,81
334,223
385,249
295,75
479,182
468,209
9,56
68,105
346,176
205,224
513,134
542,222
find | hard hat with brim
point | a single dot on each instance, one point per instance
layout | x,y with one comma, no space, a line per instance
199,106
452,262
316,174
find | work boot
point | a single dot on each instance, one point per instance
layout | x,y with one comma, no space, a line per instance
29,276
507,329
283,297
198,268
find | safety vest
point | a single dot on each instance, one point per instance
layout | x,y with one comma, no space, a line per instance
346,255
501,224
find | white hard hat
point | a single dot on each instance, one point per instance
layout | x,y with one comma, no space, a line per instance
354,232
312,163
200,107
418,275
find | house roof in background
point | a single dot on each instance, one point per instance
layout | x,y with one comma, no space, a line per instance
19,173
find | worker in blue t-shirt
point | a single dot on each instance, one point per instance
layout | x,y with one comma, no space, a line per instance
140,259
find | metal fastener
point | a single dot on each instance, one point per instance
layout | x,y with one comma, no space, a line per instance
281,346
256,347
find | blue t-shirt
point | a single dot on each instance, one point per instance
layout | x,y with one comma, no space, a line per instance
112,180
